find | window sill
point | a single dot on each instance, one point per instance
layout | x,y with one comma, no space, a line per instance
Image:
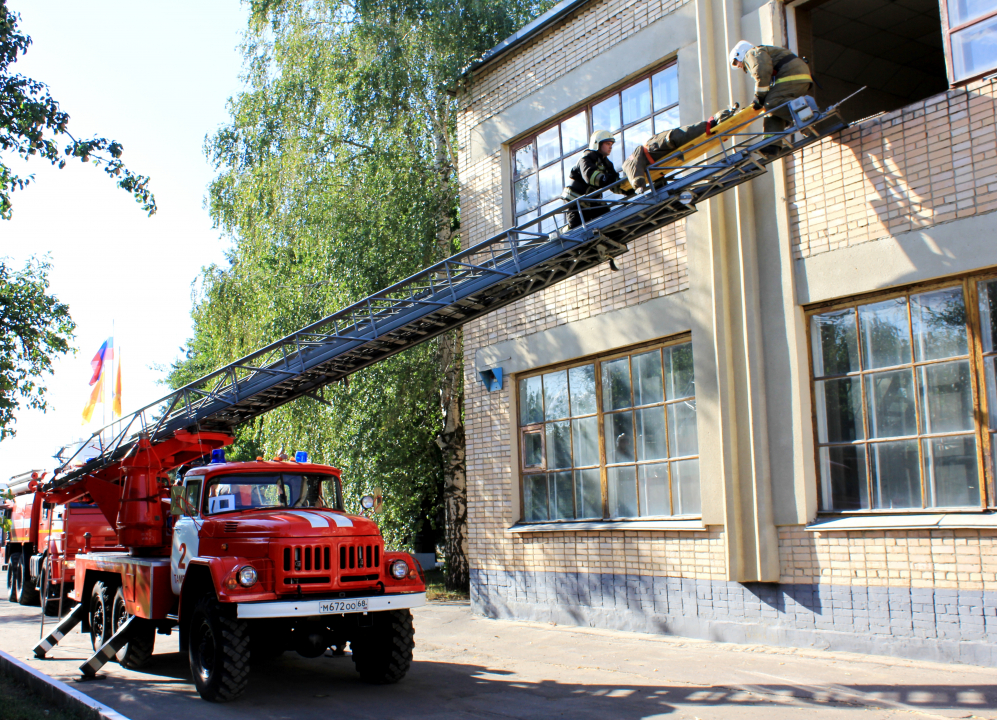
936,521
599,525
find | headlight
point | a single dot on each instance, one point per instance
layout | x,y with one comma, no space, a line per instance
247,576
399,569
367,501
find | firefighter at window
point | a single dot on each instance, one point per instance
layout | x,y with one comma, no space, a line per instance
593,171
664,144
779,76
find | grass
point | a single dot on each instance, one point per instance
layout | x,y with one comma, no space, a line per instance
436,588
19,703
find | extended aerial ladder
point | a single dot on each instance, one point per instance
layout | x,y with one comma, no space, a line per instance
506,267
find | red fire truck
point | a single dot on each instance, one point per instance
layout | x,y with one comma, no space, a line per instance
244,559
39,550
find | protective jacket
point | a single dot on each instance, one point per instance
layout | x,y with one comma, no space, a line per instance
592,171
659,146
772,66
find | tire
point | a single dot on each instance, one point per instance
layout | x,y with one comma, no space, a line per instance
382,654
13,576
141,638
27,593
219,652
101,620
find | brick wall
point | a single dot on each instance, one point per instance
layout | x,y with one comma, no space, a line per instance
928,163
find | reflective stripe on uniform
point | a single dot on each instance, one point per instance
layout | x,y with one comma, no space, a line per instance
762,88
794,78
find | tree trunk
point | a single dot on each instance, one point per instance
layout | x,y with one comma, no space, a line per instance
451,364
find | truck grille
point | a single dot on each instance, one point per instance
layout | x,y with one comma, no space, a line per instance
313,567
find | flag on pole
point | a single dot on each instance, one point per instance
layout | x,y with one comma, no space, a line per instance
103,355
116,391
95,397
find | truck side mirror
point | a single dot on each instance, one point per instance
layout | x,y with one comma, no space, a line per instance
176,500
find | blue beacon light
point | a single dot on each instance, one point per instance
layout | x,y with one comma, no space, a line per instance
301,456
217,456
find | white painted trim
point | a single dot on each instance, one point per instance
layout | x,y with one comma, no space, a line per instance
307,608
939,521
613,525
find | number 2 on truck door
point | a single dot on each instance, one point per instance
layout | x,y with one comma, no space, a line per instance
185,540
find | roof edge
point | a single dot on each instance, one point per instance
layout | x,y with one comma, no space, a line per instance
525,33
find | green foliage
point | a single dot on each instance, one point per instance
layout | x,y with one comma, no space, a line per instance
336,179
28,112
34,327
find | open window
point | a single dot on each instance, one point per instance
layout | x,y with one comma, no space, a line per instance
893,47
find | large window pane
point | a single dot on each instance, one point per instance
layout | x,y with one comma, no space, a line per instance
647,378
679,381
946,397
839,410
548,146
964,11
835,343
606,115
885,333
531,403
635,136
526,194
668,120
654,489
843,478
939,324
535,497
622,491
574,133
551,223
974,50
586,440
525,161
950,467
556,395
582,383
567,164
683,434
665,86
551,183
533,449
991,380
619,438
896,475
651,434
558,445
890,404
561,496
685,487
588,493
616,384
636,101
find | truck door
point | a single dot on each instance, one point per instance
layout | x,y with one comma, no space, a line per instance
185,531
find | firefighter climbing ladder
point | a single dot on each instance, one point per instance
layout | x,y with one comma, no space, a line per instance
504,268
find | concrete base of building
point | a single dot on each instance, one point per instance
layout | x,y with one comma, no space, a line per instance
920,623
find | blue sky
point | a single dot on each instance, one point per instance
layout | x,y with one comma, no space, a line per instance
155,76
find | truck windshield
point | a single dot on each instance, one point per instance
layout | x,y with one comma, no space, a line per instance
228,493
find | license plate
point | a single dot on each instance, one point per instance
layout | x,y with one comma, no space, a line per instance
343,606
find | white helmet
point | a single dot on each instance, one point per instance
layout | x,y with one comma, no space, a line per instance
599,137
739,52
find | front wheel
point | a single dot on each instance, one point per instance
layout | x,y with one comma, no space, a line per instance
101,619
27,593
141,635
219,652
13,576
382,653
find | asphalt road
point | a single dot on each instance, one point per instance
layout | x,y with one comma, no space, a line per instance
470,668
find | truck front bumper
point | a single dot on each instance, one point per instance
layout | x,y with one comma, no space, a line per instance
330,606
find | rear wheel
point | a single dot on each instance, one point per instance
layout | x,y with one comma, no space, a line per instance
101,620
13,576
219,652
382,654
27,593
141,635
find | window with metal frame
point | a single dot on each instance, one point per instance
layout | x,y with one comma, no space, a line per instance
897,399
614,437
542,161
970,28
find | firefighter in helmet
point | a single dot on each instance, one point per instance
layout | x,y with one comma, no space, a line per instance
593,171
779,76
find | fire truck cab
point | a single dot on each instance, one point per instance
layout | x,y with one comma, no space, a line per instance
262,558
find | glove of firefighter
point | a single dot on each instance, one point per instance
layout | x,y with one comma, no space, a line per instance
759,102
